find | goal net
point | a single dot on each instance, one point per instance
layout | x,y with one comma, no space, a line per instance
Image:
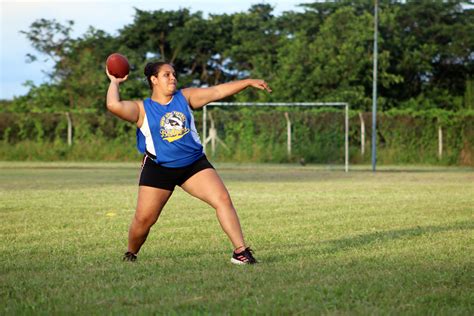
307,132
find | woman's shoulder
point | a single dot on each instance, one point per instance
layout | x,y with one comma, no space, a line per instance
180,95
186,93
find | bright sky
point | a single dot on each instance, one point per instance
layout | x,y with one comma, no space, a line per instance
107,15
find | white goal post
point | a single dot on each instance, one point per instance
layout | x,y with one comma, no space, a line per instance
286,104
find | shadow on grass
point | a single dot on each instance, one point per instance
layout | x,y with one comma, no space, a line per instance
418,170
338,245
327,247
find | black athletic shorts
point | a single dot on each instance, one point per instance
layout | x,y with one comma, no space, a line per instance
154,175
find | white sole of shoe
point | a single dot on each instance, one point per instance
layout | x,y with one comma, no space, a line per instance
235,261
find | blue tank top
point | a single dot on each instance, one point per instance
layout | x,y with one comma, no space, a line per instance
173,132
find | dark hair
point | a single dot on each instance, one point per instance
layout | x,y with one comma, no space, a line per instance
152,69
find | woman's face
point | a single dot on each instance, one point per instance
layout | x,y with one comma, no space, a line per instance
165,80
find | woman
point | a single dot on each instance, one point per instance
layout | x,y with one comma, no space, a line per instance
173,153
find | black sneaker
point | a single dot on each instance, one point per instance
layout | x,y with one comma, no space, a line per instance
129,256
244,257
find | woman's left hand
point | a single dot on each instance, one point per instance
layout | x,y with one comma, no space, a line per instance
260,84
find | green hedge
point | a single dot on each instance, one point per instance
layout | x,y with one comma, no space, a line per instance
253,134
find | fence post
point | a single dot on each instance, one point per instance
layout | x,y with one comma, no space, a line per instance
362,134
440,142
69,129
212,135
204,127
288,134
213,138
346,138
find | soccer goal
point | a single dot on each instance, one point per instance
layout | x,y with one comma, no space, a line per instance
212,137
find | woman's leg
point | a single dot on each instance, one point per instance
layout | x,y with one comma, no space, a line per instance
208,186
150,203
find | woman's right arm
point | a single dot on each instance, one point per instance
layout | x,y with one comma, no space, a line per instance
126,110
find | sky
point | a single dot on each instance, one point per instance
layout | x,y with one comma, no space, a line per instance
107,15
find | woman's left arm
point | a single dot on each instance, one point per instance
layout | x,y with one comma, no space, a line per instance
199,97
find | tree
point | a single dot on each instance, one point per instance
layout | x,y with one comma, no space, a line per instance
334,66
432,49
151,32
78,70
426,56
202,43
52,39
255,41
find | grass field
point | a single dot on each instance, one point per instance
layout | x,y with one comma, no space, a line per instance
396,242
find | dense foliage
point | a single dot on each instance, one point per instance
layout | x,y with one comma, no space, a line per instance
258,135
426,55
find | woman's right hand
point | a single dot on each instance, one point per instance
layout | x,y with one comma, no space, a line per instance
127,110
115,79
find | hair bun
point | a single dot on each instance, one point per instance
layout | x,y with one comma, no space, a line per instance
149,69
152,69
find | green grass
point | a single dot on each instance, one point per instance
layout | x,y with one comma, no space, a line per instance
396,242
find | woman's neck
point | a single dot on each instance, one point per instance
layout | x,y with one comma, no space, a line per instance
161,98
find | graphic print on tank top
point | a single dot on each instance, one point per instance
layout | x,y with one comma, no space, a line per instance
172,126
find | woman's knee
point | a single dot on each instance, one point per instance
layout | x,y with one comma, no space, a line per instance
223,200
145,220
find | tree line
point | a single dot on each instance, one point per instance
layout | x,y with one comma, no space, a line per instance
325,53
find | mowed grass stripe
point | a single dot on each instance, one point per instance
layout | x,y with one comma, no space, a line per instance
329,243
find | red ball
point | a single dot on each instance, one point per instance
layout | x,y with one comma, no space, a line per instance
117,65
